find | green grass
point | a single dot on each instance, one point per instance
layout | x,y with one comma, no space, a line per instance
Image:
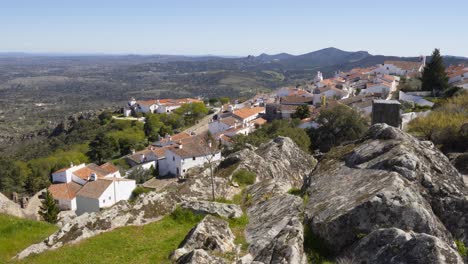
152,243
17,234
244,177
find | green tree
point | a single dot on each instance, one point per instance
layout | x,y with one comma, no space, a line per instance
49,209
337,125
224,100
102,147
105,117
301,112
152,127
12,178
434,77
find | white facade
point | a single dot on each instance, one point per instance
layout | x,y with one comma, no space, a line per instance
179,166
66,175
66,204
414,99
217,126
459,77
117,191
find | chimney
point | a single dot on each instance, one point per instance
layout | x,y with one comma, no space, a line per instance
209,143
142,158
71,164
180,144
132,151
93,177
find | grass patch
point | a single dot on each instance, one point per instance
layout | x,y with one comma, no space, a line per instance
462,250
17,234
244,177
295,191
237,226
151,243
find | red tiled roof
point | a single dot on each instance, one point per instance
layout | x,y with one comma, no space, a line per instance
64,191
244,113
405,65
110,168
94,189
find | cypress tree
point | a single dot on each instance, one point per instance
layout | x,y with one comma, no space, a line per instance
434,77
49,210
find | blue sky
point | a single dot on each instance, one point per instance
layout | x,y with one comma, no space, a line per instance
241,27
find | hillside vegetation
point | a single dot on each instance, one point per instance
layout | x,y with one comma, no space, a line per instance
447,125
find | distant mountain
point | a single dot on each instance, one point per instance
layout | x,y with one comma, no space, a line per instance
276,57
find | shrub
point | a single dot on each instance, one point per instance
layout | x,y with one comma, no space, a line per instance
181,215
139,190
244,177
461,248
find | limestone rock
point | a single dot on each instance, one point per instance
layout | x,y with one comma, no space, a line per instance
266,189
286,246
199,256
392,246
280,159
206,207
211,234
269,218
386,179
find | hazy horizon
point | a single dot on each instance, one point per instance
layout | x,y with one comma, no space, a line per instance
241,28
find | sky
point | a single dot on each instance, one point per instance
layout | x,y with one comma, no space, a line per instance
238,28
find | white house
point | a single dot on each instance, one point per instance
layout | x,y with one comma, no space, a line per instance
402,68
102,193
248,114
158,105
182,157
69,182
459,75
329,93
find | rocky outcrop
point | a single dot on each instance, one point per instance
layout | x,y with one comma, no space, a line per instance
199,256
286,246
221,209
392,246
387,179
275,231
197,186
9,207
211,234
280,159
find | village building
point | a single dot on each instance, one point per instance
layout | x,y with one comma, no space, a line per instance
184,156
457,74
67,184
156,106
402,68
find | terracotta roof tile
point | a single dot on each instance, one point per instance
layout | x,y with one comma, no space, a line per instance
64,191
110,168
244,113
405,65
94,189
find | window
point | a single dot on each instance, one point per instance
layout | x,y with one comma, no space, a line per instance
194,158
183,170
104,201
109,198
173,158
